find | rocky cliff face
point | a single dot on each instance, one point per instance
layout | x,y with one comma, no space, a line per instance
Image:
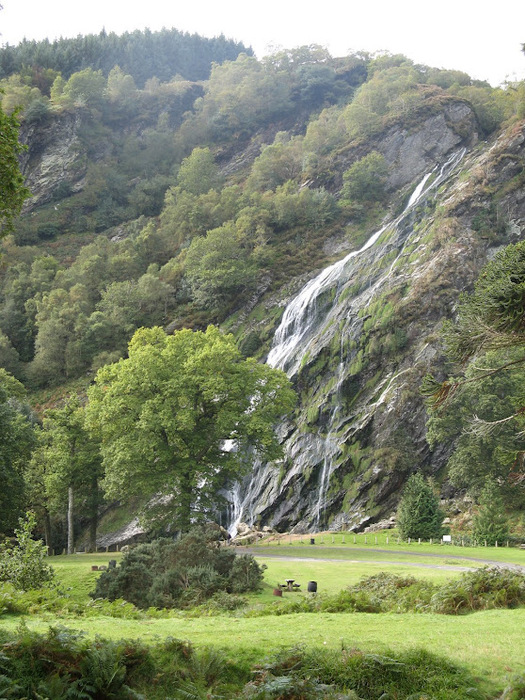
55,155
362,333
359,337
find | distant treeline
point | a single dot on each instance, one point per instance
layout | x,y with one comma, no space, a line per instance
142,54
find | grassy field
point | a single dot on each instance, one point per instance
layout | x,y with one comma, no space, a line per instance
491,644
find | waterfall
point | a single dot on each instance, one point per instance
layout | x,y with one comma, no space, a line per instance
241,505
300,321
311,313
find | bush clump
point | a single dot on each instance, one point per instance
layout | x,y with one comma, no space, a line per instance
24,564
482,589
185,573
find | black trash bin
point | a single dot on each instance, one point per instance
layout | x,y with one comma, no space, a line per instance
312,586
312,540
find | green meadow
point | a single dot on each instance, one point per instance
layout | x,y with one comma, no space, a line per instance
490,644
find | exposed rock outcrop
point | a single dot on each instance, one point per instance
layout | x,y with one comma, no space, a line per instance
361,421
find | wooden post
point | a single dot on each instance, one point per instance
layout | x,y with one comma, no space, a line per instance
354,539
343,540
375,538
387,539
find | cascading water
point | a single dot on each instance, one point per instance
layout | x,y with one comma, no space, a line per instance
312,313
300,319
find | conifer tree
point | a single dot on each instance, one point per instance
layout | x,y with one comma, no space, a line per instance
419,514
490,522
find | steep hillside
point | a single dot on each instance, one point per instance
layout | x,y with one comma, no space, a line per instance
327,212
360,336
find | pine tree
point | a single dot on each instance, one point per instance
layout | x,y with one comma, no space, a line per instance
419,514
490,522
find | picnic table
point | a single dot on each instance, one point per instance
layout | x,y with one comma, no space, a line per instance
290,585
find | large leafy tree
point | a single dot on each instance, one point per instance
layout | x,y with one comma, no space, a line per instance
178,415
17,439
72,466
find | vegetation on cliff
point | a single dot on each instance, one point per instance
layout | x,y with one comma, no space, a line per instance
194,196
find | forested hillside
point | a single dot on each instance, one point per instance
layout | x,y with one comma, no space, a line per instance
203,186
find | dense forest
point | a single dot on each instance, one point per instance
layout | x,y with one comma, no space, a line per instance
179,182
141,54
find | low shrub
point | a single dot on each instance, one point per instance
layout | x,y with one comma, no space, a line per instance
62,664
481,589
353,674
181,574
41,600
24,563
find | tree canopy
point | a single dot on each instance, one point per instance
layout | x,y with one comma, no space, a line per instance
16,442
13,192
178,416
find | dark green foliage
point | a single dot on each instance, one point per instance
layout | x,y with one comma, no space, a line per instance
17,439
480,454
490,524
481,589
419,514
168,574
62,664
13,192
492,316
142,54
489,335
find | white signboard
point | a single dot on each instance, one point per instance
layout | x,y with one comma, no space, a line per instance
447,538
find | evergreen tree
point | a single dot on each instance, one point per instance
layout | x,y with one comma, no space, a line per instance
419,514
490,522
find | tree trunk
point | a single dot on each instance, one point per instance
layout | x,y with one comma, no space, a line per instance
47,532
70,533
185,501
93,521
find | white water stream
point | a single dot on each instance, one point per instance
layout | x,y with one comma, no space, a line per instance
301,323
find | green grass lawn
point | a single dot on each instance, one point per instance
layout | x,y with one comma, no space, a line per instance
490,643
361,547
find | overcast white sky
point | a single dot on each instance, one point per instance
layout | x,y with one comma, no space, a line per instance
461,34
